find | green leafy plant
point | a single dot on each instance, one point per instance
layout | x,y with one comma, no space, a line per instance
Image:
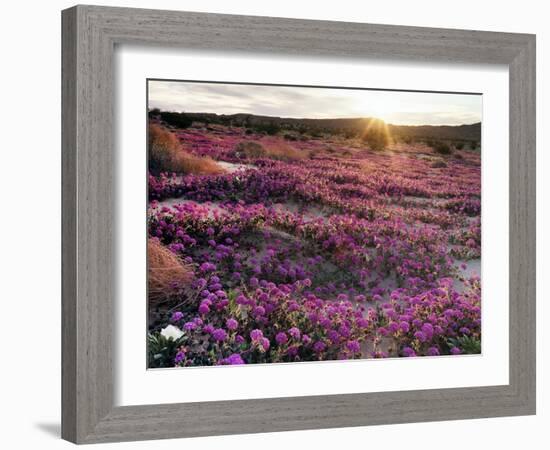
161,350
468,344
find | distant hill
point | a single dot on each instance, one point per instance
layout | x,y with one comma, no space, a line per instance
459,132
348,126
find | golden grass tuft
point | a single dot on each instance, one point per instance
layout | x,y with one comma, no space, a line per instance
186,163
284,152
167,274
167,155
250,149
278,150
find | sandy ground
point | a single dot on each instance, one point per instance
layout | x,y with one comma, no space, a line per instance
473,267
233,167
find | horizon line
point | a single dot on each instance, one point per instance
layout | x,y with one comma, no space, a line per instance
320,118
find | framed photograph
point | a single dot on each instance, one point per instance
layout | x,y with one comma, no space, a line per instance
278,224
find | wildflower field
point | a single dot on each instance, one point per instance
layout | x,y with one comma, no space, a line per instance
270,248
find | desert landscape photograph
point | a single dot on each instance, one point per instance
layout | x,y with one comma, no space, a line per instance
292,224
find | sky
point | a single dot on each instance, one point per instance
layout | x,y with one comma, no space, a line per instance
399,108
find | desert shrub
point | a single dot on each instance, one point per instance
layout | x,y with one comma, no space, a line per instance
250,149
377,136
166,155
377,141
267,128
459,145
474,145
155,112
441,147
290,137
178,120
168,275
408,140
315,134
438,164
314,153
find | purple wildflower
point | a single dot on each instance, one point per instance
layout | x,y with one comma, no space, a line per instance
353,346
180,356
294,332
189,326
420,336
319,347
256,335
204,308
176,316
264,342
281,338
219,334
234,359
231,324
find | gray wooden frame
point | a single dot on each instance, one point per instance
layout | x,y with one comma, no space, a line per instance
90,34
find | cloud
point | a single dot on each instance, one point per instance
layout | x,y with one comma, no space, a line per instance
412,108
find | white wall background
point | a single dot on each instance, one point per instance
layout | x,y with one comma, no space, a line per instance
31,208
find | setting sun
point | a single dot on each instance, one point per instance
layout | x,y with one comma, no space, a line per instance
377,107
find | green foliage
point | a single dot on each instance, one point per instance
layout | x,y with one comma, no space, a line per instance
155,112
459,145
441,147
178,120
290,137
161,351
469,345
269,128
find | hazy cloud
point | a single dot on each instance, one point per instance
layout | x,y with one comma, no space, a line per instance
405,108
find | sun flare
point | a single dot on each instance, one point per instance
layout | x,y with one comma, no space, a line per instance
378,108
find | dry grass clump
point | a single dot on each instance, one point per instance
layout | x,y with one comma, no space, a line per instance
284,152
163,146
166,155
250,149
185,163
279,150
167,273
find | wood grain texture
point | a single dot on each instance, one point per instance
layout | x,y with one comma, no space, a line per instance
68,225
89,37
